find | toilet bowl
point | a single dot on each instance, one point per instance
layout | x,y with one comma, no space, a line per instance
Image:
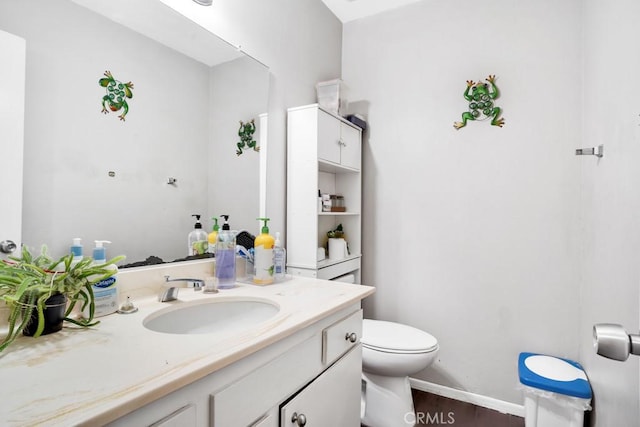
390,353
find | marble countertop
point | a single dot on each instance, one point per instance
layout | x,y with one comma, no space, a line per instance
95,375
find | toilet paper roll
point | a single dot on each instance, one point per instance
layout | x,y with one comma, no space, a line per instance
337,249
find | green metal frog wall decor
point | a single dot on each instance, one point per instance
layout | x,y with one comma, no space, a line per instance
245,132
117,95
481,103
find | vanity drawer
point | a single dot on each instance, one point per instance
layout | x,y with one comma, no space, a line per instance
340,337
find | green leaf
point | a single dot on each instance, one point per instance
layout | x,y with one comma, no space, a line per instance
40,315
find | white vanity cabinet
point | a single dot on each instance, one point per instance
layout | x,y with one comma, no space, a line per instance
315,372
323,153
240,375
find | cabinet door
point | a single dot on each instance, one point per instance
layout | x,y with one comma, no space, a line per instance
332,399
350,141
328,137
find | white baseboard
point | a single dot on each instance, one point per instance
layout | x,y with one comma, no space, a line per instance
465,396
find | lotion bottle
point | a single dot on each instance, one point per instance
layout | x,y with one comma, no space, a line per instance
225,270
279,258
105,291
198,239
263,247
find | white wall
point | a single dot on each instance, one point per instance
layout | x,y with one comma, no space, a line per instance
611,201
472,234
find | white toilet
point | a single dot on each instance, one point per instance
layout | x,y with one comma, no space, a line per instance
390,353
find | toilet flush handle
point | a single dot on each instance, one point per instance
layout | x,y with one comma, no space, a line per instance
351,337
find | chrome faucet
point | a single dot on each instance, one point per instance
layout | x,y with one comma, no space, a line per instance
170,292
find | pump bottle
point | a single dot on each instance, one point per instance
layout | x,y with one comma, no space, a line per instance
105,292
198,238
213,236
279,259
263,247
226,256
76,251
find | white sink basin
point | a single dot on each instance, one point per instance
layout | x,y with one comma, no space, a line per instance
211,316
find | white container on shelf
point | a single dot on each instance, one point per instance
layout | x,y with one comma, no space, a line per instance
328,93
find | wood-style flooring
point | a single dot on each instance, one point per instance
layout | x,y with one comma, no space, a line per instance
434,410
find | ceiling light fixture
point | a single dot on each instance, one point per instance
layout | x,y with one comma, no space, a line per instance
204,2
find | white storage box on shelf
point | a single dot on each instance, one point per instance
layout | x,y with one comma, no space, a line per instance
328,94
556,391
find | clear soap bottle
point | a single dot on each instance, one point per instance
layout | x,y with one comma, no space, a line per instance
263,247
279,259
226,256
198,239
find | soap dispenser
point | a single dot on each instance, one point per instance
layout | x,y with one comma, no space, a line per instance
279,259
76,251
105,291
263,247
213,236
198,239
226,256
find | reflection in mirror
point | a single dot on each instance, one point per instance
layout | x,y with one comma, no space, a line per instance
105,175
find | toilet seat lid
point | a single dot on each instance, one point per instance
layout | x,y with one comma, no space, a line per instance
394,337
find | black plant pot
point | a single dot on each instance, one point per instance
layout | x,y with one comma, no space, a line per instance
54,308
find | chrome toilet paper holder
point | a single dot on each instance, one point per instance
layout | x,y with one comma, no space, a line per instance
612,341
597,151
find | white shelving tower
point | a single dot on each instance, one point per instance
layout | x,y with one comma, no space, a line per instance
324,152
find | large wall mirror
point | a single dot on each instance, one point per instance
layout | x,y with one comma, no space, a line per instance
106,175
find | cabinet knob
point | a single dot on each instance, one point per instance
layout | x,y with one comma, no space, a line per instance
7,246
351,337
300,419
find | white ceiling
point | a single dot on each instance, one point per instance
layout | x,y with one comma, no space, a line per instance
350,10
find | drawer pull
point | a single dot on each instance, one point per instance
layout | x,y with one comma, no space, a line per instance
351,337
301,420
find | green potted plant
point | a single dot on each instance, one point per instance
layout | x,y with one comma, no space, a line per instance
336,233
35,288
